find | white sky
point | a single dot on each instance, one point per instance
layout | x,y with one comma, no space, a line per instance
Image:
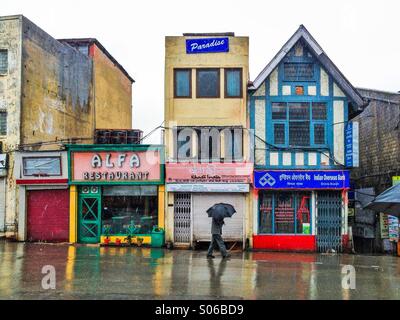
361,37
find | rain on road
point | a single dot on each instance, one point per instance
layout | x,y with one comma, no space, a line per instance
93,272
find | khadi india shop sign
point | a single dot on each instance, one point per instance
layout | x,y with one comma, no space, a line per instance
133,167
209,172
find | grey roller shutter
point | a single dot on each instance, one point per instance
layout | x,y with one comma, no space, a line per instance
233,228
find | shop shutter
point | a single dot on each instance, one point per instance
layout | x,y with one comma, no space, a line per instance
2,204
48,215
233,228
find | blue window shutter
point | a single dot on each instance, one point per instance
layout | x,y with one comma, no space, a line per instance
182,83
233,83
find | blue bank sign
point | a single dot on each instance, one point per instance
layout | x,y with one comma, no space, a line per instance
284,179
207,45
352,145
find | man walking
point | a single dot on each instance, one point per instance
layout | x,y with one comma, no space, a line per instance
216,239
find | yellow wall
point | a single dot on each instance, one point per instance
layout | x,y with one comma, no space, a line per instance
204,112
113,94
73,214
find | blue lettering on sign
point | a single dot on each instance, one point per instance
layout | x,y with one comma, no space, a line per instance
283,179
206,45
351,145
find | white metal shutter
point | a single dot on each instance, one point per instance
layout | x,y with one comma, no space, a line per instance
233,227
2,204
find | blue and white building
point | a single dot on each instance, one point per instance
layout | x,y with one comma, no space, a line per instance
300,105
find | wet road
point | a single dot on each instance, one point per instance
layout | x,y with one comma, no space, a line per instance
92,272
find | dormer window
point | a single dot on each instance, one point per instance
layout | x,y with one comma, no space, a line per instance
298,71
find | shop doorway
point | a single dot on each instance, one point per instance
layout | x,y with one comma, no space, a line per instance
182,218
89,215
329,221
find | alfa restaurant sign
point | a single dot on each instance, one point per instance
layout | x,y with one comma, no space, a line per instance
139,166
284,179
209,172
207,45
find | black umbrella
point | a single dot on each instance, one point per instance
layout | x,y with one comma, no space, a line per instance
220,211
387,202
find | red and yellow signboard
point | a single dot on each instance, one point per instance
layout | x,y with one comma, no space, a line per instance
209,172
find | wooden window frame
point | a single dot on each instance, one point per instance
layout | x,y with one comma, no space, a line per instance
240,96
190,83
43,157
218,81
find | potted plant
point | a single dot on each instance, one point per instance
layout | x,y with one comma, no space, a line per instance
139,241
118,241
107,234
129,238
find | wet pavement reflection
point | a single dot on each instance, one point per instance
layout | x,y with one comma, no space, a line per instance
93,272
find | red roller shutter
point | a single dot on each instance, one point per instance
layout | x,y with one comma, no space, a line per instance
48,215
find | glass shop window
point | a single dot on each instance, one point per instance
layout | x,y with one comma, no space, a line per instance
182,83
129,210
285,213
46,166
207,83
3,123
3,61
233,83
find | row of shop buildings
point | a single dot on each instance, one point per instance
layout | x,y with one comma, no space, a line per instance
279,149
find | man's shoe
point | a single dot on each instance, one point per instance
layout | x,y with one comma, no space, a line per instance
226,257
210,256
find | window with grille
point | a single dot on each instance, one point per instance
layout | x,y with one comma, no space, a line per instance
319,134
3,123
302,124
279,111
298,71
3,61
207,83
279,133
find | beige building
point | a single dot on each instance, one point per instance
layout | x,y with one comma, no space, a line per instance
208,156
53,92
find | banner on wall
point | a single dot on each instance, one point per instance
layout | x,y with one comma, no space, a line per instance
285,179
207,45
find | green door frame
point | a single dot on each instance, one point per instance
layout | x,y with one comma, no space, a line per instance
88,223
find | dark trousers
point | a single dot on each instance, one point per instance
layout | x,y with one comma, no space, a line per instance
216,241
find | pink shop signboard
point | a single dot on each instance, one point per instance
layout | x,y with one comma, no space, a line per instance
140,167
209,172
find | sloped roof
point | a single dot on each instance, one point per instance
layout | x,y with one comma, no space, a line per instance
315,48
90,41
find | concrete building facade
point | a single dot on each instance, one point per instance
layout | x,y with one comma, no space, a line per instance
208,148
52,93
300,105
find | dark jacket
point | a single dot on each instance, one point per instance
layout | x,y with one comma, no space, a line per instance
216,226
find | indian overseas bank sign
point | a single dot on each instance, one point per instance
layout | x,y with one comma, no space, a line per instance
284,179
207,45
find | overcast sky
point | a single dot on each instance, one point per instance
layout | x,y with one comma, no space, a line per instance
361,37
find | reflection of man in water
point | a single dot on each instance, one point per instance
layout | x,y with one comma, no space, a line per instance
215,277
